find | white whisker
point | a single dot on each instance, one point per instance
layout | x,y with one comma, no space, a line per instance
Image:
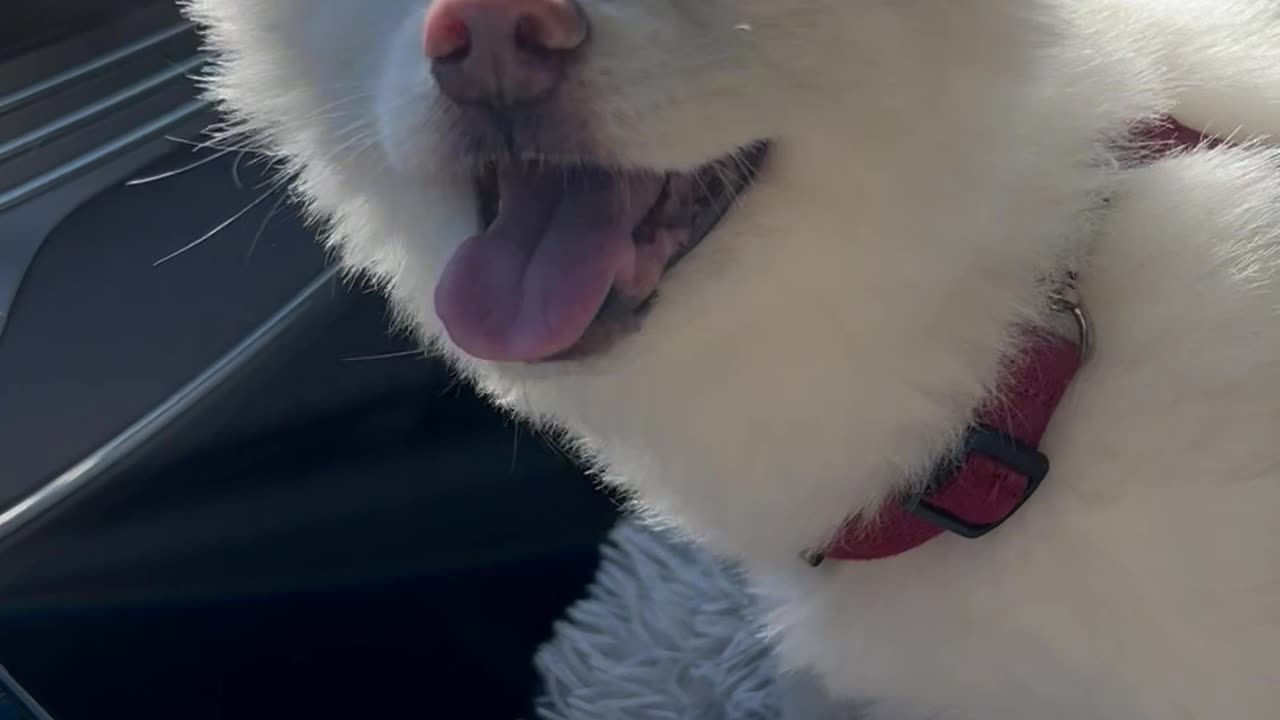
178,171
383,356
262,228
221,226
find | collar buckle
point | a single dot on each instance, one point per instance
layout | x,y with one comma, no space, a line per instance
995,445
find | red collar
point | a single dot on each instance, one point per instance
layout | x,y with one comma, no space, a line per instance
999,466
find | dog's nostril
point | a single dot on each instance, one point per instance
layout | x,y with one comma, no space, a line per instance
501,51
529,36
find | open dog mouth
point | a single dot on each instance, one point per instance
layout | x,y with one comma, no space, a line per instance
570,257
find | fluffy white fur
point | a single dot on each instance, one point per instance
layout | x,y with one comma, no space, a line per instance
932,159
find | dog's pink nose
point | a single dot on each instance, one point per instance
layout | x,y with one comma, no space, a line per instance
499,52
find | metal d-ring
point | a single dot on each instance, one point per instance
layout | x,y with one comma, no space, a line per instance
1067,300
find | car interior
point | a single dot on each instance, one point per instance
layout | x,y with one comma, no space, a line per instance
228,486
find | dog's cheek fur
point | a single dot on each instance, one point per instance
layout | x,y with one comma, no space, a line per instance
861,294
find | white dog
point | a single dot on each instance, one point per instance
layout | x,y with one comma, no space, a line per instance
803,274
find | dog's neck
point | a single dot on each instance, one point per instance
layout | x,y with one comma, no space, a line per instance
770,453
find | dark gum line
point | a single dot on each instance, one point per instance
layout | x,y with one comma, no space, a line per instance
607,328
708,212
645,232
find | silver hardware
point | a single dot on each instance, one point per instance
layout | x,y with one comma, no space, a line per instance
813,558
1066,300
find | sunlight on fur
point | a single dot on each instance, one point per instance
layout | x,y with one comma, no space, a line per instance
929,164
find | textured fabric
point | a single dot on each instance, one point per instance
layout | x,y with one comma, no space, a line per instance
667,632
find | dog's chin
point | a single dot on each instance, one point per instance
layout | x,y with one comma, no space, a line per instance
569,258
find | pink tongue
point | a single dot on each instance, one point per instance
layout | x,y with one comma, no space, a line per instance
527,288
